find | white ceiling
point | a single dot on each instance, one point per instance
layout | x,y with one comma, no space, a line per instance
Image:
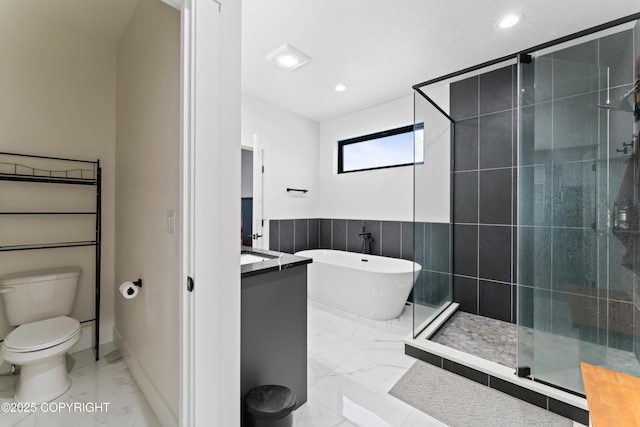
380,48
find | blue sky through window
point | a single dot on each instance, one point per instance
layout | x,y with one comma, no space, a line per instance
383,152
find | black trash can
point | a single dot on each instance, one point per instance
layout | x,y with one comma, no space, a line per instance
270,406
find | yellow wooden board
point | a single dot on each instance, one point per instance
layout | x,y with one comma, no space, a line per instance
614,398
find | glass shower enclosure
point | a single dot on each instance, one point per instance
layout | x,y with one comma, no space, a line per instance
577,208
434,131
574,257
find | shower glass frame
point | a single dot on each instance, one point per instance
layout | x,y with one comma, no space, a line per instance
432,222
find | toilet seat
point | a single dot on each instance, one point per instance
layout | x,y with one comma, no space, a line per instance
40,335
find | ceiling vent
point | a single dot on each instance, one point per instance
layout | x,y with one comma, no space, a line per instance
288,57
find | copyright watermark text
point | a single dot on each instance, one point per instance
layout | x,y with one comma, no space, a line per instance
54,407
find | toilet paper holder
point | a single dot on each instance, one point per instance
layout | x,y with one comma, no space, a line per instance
129,290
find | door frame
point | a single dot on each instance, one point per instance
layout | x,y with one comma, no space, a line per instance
210,183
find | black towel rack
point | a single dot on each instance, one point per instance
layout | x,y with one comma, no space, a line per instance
300,190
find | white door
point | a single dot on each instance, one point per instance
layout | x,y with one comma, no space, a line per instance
210,315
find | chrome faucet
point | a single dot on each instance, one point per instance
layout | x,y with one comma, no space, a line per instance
366,239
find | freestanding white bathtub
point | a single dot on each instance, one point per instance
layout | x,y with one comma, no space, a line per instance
365,285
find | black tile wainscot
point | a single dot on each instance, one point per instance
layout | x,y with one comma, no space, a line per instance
390,238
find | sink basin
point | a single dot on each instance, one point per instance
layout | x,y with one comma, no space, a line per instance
251,258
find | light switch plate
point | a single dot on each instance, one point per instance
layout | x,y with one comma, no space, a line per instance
171,222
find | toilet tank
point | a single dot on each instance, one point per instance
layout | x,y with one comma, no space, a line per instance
38,295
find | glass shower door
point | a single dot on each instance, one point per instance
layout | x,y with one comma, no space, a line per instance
568,201
433,132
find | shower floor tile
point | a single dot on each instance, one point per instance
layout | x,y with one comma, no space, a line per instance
490,339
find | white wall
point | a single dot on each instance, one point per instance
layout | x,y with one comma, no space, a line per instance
303,154
383,194
433,179
147,185
386,194
290,142
57,88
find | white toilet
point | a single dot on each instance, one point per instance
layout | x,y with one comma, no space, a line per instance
38,302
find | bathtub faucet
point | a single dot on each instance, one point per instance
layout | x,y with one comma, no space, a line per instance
366,240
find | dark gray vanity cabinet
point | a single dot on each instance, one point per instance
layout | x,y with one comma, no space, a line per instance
274,330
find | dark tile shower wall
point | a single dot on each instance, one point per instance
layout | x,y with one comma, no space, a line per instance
484,191
390,238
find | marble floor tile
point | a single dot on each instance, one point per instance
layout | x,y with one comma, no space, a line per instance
315,414
105,381
353,363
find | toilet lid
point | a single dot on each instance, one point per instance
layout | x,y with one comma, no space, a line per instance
41,334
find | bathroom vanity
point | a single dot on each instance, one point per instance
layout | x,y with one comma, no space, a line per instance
273,321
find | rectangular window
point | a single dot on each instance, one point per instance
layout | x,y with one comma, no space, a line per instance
387,149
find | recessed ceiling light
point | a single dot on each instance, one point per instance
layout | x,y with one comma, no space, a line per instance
288,57
509,21
340,87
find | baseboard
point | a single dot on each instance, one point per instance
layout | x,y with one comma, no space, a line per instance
157,403
86,340
88,336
